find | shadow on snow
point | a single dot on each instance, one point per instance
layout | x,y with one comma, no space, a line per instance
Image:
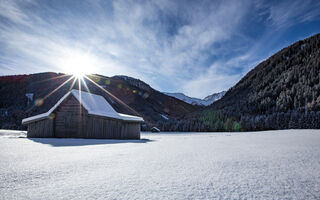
60,142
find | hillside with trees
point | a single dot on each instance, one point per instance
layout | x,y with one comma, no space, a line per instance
282,92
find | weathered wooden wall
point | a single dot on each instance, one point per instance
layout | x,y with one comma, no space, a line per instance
102,127
41,128
130,130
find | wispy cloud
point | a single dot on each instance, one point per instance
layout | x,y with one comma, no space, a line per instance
197,47
285,13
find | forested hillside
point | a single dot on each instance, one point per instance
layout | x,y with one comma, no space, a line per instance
281,92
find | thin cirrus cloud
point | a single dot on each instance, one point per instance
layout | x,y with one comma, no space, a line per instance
195,47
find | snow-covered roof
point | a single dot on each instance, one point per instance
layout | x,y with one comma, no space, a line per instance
94,104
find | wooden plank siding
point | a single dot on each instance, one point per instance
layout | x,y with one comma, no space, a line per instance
102,127
130,130
41,129
73,121
70,119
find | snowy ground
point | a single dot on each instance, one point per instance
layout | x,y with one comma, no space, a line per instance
257,165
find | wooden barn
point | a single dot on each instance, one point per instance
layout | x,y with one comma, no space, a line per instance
83,115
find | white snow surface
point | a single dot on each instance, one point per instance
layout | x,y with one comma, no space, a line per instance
256,165
12,133
94,104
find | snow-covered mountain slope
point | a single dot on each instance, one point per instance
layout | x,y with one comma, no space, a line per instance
195,101
214,97
185,98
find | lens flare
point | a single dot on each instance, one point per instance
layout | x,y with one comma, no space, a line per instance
38,102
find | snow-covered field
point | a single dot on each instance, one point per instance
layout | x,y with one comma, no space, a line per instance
256,165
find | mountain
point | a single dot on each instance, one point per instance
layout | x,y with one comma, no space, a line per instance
282,92
195,101
134,82
214,97
27,95
185,98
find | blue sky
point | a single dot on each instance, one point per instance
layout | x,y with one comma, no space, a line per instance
194,47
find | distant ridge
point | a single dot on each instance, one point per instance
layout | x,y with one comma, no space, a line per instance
196,101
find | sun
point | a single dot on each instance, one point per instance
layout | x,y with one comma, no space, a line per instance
78,64
79,74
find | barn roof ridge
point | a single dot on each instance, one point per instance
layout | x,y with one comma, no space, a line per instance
93,103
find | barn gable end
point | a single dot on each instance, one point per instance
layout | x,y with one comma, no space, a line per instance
70,119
